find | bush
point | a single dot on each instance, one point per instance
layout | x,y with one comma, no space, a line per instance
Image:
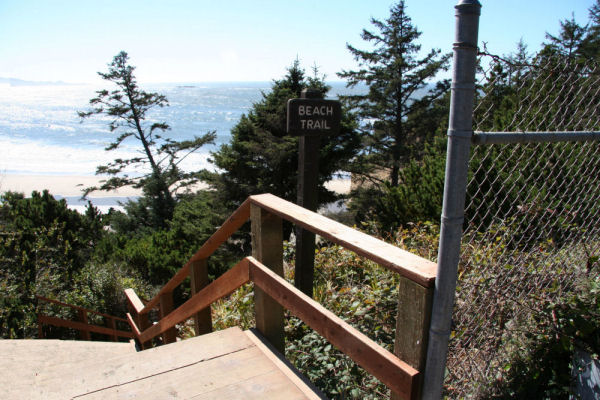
43,245
417,198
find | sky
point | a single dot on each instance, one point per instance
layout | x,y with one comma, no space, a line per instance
237,40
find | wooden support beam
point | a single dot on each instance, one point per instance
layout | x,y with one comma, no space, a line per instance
111,323
40,328
267,248
82,317
198,281
412,325
166,306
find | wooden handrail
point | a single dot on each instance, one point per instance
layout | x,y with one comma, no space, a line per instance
385,366
80,326
233,223
409,265
83,326
79,308
417,281
389,369
220,287
134,301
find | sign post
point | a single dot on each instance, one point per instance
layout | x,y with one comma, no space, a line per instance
309,117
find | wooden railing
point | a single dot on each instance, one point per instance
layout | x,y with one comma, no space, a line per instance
399,371
83,325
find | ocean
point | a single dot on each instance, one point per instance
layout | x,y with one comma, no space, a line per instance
41,134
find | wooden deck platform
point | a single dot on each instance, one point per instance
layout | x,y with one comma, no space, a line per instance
228,364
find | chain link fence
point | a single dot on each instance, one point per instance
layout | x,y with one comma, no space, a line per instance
532,218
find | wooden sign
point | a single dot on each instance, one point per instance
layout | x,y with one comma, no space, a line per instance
310,117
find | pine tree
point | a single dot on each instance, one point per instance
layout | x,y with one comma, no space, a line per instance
127,106
398,88
262,158
591,43
570,40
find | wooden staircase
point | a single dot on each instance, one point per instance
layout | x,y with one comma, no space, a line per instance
228,364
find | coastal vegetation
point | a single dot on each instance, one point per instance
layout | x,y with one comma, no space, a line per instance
392,141
126,107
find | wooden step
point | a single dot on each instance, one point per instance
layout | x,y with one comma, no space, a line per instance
49,349
224,364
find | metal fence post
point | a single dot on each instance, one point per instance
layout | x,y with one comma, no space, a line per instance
460,130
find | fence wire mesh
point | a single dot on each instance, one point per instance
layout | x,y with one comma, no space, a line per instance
532,227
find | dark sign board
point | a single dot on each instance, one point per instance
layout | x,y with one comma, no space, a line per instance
308,117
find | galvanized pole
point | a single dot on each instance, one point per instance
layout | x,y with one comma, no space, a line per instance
460,131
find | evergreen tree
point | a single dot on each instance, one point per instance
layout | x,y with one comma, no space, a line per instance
398,88
127,107
262,158
570,40
591,43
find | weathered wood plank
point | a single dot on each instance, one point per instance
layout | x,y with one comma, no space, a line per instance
20,366
412,325
393,372
267,247
248,368
266,386
291,373
220,287
198,281
93,375
401,261
233,223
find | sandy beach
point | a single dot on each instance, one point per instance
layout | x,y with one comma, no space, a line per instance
59,185
72,185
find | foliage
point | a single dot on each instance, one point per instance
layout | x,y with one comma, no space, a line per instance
100,287
575,41
43,245
553,335
399,95
418,196
262,158
127,107
157,254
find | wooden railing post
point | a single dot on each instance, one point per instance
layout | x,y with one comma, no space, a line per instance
40,328
135,306
267,247
166,306
110,321
412,326
198,281
82,316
